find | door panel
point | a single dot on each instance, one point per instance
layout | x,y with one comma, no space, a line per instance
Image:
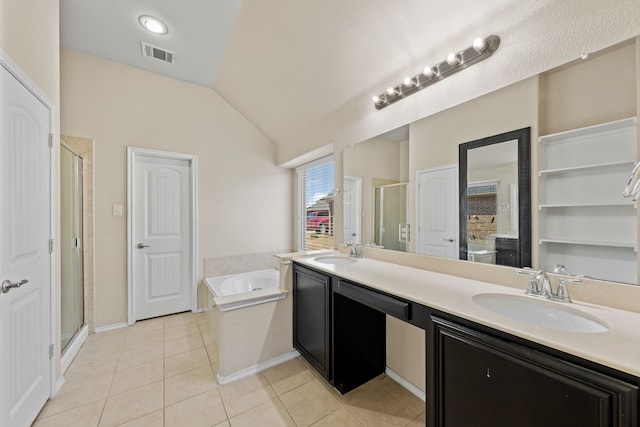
352,209
162,237
25,369
437,213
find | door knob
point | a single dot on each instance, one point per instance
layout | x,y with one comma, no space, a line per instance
142,246
448,240
7,285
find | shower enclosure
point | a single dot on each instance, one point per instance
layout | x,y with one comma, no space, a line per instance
391,228
71,238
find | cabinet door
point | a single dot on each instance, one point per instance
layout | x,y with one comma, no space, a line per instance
311,317
485,381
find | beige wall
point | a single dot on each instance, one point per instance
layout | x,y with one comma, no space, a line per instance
244,199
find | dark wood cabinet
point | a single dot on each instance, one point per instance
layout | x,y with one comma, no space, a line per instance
312,317
476,379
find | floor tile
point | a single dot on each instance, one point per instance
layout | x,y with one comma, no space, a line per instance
181,331
146,326
137,376
130,358
189,384
213,352
245,394
309,403
410,400
183,344
288,375
71,400
417,422
154,419
84,416
184,362
144,341
271,413
374,406
133,404
342,417
203,410
179,319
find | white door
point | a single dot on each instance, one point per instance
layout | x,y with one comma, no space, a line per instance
352,209
161,244
437,212
25,311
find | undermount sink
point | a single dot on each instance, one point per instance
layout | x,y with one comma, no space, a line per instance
335,259
540,313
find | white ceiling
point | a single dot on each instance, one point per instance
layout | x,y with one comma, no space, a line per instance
199,32
306,69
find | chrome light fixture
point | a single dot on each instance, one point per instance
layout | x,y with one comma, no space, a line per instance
455,61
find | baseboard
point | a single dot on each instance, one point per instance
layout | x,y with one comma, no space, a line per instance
256,368
73,349
406,384
111,327
59,383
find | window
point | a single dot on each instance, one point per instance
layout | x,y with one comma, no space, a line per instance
315,198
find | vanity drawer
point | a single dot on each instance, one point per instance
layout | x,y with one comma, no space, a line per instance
376,300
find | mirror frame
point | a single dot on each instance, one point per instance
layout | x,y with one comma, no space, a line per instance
523,136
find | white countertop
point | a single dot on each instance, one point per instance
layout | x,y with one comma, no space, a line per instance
618,348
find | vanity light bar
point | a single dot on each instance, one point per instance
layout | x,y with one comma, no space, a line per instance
456,61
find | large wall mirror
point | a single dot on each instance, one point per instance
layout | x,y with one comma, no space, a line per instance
495,199
386,205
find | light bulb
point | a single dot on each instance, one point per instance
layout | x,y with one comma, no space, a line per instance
408,82
429,71
479,45
376,99
453,59
390,91
153,25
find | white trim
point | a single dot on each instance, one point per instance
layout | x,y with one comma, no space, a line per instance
132,153
406,384
111,327
453,166
73,349
58,385
256,368
12,67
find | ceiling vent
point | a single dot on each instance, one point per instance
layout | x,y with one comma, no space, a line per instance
157,53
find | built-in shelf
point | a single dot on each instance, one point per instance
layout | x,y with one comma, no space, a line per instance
583,168
623,203
589,131
585,223
616,244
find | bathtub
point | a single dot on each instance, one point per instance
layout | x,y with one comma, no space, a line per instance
241,290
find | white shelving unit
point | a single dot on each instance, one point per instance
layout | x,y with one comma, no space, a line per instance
584,222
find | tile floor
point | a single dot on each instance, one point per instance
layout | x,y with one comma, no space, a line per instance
161,372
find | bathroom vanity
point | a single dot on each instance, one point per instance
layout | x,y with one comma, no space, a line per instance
483,369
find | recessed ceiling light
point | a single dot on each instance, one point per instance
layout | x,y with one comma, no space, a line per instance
152,24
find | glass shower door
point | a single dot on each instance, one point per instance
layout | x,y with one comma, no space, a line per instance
390,217
72,281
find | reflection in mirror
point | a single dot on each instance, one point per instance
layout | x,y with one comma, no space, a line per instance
390,221
375,212
495,199
575,225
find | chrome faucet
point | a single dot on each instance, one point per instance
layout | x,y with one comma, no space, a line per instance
540,286
355,251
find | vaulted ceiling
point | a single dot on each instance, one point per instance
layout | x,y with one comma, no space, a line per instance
292,66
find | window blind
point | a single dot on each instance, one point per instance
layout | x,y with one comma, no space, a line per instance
316,195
